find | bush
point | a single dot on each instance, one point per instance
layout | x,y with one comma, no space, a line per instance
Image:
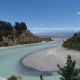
73,42
69,72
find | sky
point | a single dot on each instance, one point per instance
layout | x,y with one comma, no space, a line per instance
42,15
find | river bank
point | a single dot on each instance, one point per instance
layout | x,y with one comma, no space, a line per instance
10,61
23,45
48,59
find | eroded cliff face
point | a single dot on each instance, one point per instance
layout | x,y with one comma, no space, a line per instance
22,37
27,37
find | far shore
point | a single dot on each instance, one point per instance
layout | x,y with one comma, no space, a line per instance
48,59
22,45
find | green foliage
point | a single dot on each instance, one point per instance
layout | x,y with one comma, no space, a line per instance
17,34
73,42
5,28
41,77
69,72
20,26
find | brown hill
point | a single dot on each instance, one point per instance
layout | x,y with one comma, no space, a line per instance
24,38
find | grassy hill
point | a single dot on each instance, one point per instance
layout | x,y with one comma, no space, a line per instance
73,42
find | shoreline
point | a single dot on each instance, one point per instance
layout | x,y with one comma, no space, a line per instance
47,73
60,53
19,46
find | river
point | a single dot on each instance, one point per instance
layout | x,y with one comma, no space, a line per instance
10,61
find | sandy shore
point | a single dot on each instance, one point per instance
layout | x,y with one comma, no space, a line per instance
48,59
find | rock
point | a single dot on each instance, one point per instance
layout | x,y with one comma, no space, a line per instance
25,37
15,78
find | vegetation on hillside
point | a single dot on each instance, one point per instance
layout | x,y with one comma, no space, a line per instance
69,72
7,29
15,34
73,42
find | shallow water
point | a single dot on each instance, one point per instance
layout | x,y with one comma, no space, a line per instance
10,62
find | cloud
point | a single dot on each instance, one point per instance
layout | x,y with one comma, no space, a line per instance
78,13
38,30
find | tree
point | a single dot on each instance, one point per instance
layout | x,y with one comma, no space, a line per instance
69,72
73,42
24,27
41,77
9,26
5,28
20,26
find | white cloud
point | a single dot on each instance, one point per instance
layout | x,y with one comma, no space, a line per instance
78,13
38,30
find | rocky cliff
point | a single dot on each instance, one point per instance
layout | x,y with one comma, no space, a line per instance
24,38
17,34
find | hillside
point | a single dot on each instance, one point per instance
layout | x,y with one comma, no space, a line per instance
57,34
17,34
73,42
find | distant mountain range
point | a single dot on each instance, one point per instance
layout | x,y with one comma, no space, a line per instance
57,34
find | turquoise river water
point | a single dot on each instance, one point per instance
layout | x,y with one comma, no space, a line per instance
10,62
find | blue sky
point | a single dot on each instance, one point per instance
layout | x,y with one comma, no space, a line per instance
42,14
